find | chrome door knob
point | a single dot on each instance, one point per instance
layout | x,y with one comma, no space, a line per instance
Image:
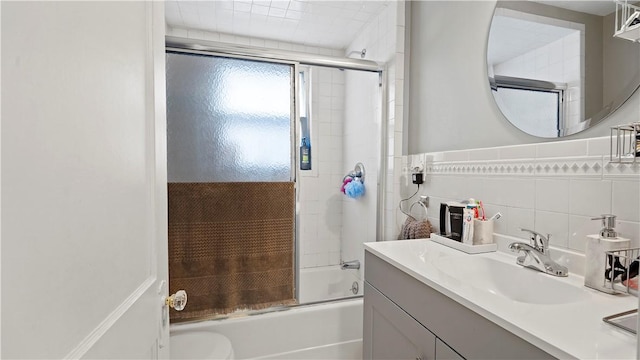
177,301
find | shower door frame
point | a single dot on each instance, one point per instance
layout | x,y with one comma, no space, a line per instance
292,132
296,59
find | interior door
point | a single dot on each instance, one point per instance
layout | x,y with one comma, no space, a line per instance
83,172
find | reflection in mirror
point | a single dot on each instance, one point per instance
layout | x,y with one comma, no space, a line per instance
553,71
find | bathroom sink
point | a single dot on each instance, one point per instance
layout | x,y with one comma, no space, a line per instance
510,280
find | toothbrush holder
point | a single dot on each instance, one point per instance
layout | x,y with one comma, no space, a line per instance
482,231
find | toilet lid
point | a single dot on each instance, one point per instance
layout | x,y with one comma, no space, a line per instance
200,345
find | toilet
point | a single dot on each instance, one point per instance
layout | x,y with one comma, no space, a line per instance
200,344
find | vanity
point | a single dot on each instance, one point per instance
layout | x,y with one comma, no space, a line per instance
423,300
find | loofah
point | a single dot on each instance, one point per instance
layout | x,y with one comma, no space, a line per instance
347,180
354,189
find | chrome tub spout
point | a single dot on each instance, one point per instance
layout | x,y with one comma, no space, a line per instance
353,264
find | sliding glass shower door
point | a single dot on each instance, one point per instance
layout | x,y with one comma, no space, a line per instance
231,183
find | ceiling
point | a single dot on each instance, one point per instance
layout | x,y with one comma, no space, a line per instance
515,35
600,8
331,24
511,37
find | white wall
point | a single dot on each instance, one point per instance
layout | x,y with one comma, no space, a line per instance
452,106
83,179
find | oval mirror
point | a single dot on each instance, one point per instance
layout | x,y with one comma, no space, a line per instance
555,67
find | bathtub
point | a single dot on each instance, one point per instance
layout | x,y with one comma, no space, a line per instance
328,282
320,331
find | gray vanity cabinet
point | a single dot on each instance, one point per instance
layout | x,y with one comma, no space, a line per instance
444,352
406,319
391,333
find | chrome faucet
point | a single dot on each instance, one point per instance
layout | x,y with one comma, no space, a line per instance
536,255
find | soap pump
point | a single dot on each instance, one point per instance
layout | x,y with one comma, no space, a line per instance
599,267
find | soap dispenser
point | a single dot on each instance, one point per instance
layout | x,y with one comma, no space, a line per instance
598,266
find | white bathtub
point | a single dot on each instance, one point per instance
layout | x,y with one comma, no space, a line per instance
328,282
321,331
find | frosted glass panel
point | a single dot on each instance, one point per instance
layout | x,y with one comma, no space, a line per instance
228,119
534,112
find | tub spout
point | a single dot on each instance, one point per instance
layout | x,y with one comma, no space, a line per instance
353,264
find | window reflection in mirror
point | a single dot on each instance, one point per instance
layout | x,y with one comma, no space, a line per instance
555,72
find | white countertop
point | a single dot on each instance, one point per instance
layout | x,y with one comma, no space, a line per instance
571,330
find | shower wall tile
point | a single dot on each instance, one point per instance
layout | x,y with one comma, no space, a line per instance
318,201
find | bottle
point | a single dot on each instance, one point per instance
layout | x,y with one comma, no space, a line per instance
598,265
305,155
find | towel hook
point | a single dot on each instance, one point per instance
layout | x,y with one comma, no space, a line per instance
357,173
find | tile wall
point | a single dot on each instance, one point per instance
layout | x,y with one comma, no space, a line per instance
384,39
361,144
320,202
554,188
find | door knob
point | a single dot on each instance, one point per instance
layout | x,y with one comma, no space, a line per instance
177,301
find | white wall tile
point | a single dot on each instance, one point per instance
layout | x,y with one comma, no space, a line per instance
600,146
519,218
561,149
562,205
590,197
554,224
626,200
552,195
630,230
500,226
510,192
484,154
579,228
459,155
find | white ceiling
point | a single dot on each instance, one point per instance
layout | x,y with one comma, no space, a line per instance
600,8
511,37
515,35
332,24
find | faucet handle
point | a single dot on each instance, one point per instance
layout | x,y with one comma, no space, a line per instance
543,246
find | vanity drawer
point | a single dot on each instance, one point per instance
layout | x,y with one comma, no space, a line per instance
471,335
390,333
